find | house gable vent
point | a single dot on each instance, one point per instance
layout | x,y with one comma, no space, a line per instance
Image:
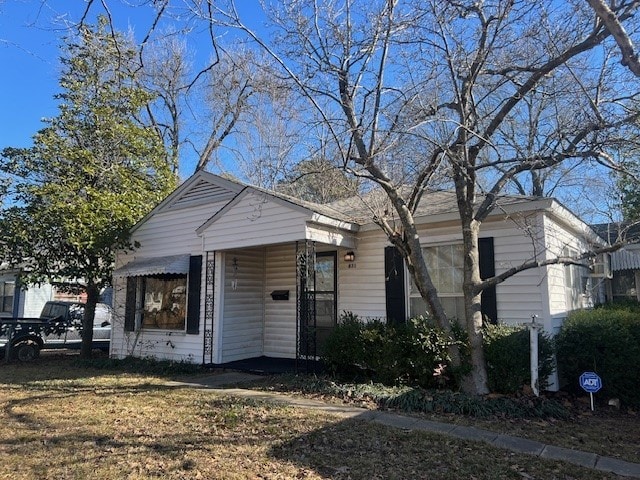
200,193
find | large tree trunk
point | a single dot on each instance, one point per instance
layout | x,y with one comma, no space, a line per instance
419,272
93,295
476,382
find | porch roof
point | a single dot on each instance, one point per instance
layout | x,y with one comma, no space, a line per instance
175,264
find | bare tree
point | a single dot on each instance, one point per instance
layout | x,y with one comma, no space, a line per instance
612,17
165,72
452,78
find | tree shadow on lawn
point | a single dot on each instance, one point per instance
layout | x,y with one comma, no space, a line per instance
355,449
54,365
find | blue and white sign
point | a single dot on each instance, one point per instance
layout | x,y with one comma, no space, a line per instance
590,382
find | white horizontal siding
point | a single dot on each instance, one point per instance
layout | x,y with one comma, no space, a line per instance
517,240
255,220
158,344
242,313
557,238
168,232
280,315
34,298
173,232
361,286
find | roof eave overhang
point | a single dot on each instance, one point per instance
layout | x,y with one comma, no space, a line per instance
498,212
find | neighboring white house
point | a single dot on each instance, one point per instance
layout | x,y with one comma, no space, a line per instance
19,301
226,272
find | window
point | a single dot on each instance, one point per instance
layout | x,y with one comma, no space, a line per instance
168,301
163,302
445,264
7,292
624,285
577,283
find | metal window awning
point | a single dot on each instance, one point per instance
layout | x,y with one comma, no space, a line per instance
625,260
174,264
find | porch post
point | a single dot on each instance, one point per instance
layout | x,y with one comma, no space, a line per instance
305,304
209,290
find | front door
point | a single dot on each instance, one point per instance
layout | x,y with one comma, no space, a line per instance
318,301
325,295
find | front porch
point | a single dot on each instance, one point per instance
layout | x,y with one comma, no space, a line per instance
273,366
271,305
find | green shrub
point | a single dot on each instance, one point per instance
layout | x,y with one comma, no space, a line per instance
416,399
507,354
344,347
606,341
414,353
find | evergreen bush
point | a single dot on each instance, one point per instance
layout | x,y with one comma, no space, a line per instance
507,354
606,341
414,353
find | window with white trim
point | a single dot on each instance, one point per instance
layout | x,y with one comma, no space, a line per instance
7,293
577,283
445,264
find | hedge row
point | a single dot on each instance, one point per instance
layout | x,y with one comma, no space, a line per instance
417,354
604,340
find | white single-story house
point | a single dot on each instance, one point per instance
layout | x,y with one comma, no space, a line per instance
226,271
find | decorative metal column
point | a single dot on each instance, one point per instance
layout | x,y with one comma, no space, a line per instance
305,306
209,289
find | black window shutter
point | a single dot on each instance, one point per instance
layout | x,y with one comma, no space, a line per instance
488,269
193,297
130,305
394,285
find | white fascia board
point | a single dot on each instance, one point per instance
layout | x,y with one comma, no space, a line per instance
336,237
323,220
566,217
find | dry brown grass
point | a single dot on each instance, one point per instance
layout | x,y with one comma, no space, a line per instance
63,422
606,431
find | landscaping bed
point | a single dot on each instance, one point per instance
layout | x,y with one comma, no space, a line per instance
554,418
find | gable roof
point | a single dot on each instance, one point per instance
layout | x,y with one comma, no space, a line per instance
200,188
309,208
436,205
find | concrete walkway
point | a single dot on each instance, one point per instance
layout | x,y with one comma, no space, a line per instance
220,383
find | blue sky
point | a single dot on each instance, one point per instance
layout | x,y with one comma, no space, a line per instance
31,33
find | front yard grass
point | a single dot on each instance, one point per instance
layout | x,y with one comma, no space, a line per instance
64,421
605,431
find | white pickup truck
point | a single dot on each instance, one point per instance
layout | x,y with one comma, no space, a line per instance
59,326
